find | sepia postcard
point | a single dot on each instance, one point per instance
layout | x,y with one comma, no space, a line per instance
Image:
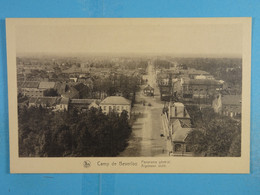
129,95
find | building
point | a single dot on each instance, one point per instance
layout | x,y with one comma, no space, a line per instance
54,103
116,104
30,89
34,88
46,85
148,91
200,90
179,136
177,125
228,105
62,104
84,104
71,93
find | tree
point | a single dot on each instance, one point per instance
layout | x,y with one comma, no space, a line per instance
46,133
218,135
197,142
50,92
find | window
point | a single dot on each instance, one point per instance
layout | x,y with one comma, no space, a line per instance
177,147
188,148
118,108
104,107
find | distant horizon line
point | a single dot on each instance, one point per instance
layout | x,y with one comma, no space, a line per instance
70,54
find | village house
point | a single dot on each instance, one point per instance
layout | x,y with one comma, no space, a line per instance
30,89
84,104
46,85
177,124
34,88
148,91
180,133
116,104
193,73
54,103
70,93
62,104
228,105
200,90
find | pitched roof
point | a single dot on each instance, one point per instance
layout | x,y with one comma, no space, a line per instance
70,93
201,82
179,133
148,87
116,100
29,84
46,85
64,101
231,99
51,101
32,100
82,101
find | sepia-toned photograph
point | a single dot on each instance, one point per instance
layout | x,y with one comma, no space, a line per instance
104,89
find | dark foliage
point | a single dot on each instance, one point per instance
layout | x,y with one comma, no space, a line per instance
50,92
127,86
218,135
43,133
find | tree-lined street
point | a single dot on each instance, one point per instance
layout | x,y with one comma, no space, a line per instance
147,126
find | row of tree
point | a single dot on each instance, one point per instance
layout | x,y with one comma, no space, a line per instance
43,133
124,85
216,135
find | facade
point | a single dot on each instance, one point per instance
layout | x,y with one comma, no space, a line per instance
30,89
62,104
116,104
71,93
179,135
54,103
34,88
84,104
46,85
200,90
148,91
177,124
228,105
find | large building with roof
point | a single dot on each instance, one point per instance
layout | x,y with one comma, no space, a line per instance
228,105
177,124
116,104
84,104
148,90
54,103
200,90
34,88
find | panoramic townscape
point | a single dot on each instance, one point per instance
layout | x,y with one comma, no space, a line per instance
105,105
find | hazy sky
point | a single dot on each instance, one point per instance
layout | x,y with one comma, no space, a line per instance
218,39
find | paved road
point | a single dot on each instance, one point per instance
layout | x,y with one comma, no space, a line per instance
145,139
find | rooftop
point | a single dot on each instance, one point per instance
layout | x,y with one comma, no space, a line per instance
29,84
148,87
82,101
116,100
231,99
201,82
46,85
179,133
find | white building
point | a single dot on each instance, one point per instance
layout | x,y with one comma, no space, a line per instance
116,104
